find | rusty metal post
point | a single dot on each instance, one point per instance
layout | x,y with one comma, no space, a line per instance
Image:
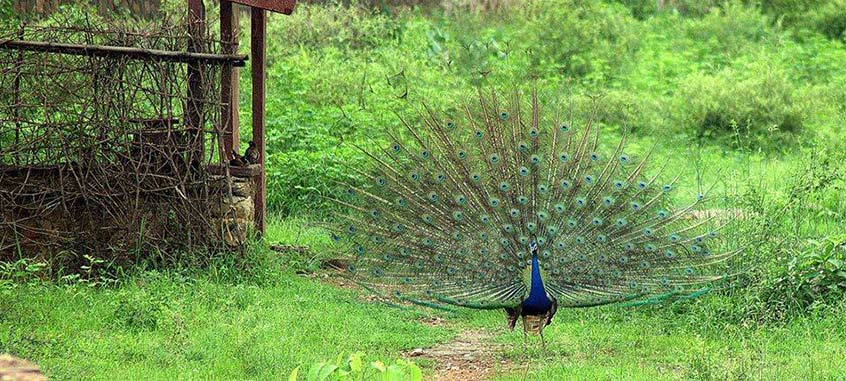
229,80
258,32
194,107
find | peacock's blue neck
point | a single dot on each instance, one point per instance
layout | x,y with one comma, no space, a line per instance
537,302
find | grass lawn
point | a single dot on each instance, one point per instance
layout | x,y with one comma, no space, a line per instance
167,326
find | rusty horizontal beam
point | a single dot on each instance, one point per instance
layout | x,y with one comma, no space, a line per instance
122,51
279,6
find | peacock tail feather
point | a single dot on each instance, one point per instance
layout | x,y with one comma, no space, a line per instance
447,212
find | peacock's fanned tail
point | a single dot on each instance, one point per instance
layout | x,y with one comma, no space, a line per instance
446,213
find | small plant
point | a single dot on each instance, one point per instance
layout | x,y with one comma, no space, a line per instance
353,368
814,278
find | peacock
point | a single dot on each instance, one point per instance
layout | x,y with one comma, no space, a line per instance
508,206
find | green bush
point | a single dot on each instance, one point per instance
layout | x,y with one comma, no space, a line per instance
814,278
828,19
578,39
754,104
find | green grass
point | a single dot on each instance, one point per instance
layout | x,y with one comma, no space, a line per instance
167,326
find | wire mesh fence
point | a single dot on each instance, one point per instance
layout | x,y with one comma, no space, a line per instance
110,142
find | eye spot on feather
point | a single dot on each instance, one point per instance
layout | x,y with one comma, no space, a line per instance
552,230
450,124
571,223
462,154
401,202
589,179
414,176
619,184
649,247
514,213
667,188
689,271
522,146
427,218
405,252
479,134
641,185
669,254
560,245
351,229
700,197
508,228
695,248
662,214
334,237
531,226
594,156
533,132
503,115
629,246
674,238
350,192
494,159
565,184
360,250
535,159
378,272
494,202
647,232
596,221
504,186
440,177
475,177
460,200
580,201
559,208
621,222
458,216
485,219
580,240
396,147
601,238
543,215
524,171
624,159
374,213
623,260
425,154
564,127
523,200
428,242
635,206
607,201
564,157
381,181
432,196
712,234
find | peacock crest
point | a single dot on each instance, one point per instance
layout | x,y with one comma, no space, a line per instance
512,207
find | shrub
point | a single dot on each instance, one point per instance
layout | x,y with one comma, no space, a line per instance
579,39
751,105
813,278
828,19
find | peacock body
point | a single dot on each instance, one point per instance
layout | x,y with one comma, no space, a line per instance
510,207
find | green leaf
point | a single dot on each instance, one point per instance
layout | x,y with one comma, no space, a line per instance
294,374
355,362
379,366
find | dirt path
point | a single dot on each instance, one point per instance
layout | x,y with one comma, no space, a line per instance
470,356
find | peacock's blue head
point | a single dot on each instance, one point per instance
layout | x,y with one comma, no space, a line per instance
533,248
